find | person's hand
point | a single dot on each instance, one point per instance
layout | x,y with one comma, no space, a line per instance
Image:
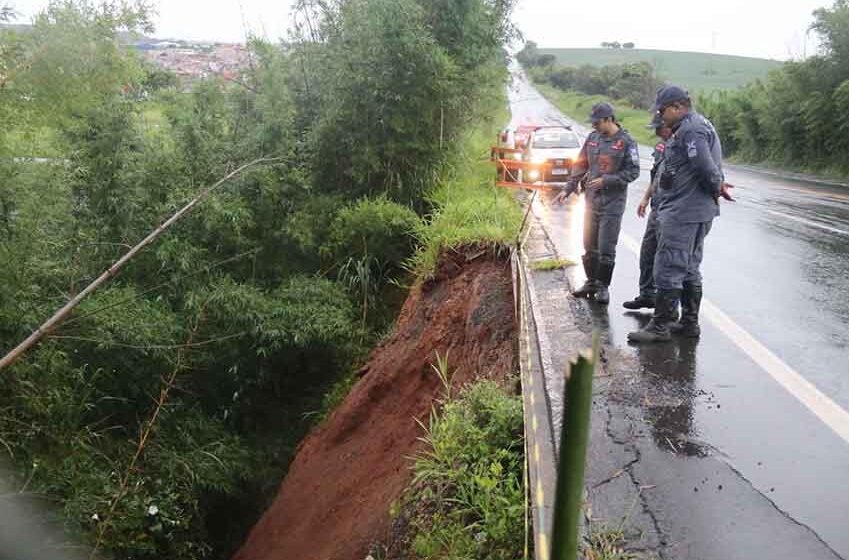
641,209
725,191
561,196
596,184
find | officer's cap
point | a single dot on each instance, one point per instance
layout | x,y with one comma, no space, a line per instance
667,95
601,111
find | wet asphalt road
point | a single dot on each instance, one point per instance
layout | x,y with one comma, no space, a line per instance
777,264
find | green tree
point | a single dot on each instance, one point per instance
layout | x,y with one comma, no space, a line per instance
70,60
381,124
832,25
528,55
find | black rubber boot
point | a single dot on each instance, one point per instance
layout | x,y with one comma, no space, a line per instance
605,275
664,315
590,287
691,301
640,302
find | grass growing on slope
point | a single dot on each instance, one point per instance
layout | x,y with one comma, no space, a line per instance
468,208
467,496
578,105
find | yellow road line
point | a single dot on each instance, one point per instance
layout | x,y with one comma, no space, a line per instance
540,492
543,553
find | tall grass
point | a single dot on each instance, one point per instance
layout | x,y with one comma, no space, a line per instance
467,207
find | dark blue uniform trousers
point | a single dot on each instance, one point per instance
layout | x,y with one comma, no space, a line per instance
601,232
648,248
678,258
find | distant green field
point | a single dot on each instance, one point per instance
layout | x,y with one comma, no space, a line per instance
695,71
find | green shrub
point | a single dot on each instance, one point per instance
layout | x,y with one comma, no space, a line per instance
467,497
376,227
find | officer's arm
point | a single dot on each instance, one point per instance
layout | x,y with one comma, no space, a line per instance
656,156
628,171
707,171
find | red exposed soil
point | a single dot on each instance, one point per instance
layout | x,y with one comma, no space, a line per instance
335,500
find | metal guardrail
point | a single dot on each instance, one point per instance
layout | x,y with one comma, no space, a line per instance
555,487
539,440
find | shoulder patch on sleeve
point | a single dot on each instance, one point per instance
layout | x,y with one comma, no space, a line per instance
634,153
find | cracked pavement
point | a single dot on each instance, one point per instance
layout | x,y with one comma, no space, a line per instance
695,452
672,495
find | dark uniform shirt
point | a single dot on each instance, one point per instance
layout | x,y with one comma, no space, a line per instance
690,174
657,156
613,158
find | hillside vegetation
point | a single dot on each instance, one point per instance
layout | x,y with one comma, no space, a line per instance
161,417
797,116
699,72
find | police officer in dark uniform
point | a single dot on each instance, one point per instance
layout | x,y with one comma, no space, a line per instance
649,244
689,186
610,159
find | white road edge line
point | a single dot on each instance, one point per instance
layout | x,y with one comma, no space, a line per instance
828,411
808,222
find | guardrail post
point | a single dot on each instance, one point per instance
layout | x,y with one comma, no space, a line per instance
574,435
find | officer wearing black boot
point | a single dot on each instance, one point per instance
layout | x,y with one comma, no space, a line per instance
610,157
649,244
689,187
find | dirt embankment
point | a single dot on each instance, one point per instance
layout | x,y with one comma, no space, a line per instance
335,500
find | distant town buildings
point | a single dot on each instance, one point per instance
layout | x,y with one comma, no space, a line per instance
196,61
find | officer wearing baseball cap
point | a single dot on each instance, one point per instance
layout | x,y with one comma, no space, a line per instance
649,244
601,111
610,160
666,96
689,185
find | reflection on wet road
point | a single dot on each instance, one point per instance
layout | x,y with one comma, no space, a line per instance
776,268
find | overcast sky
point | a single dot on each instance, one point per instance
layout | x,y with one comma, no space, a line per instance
759,28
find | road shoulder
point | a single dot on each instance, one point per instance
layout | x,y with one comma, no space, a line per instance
671,497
